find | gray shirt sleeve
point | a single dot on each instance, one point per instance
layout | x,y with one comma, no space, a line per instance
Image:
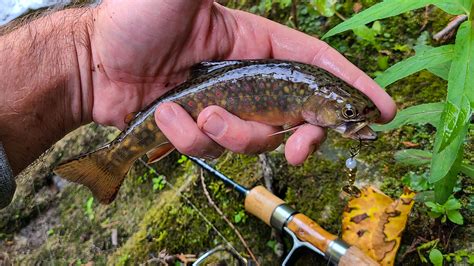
7,180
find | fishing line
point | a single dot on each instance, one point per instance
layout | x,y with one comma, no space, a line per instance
193,206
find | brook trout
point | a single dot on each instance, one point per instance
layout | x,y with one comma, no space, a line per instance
273,92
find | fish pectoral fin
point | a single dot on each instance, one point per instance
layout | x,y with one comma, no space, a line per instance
285,130
129,117
159,152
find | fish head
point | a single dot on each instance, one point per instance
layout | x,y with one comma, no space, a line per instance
348,113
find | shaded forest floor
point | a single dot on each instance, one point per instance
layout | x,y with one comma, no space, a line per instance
53,221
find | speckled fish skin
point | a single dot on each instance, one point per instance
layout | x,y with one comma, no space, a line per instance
279,93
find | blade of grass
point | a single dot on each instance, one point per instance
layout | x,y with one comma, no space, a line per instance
426,58
414,157
419,114
455,7
385,9
455,118
418,157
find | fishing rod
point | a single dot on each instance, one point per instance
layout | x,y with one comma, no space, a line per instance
304,232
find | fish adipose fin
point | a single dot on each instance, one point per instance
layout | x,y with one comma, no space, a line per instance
96,171
159,152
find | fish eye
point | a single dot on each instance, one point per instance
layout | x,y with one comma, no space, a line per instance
349,112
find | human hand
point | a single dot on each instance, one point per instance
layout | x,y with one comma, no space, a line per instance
142,49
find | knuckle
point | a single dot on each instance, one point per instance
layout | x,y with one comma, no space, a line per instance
323,47
188,145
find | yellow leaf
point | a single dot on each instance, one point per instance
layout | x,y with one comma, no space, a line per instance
373,222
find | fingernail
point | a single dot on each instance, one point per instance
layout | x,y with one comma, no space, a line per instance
166,115
214,125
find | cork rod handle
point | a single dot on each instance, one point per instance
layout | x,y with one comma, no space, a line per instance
261,203
308,230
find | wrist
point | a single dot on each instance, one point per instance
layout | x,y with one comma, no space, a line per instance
42,86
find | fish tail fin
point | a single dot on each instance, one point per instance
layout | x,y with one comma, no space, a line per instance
99,171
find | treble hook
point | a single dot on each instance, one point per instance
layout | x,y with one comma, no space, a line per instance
354,150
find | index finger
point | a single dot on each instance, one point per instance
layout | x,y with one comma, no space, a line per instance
281,42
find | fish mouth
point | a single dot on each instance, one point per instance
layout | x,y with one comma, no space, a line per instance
357,131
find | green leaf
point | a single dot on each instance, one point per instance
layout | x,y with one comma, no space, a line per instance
441,70
385,9
452,204
182,159
382,62
467,170
456,119
285,3
327,8
418,114
444,187
416,182
271,244
443,219
449,140
377,27
461,80
436,257
365,33
435,207
418,157
455,7
414,157
427,57
455,216
424,196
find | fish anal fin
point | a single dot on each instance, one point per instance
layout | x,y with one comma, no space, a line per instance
159,152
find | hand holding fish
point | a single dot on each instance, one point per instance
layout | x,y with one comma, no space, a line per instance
142,56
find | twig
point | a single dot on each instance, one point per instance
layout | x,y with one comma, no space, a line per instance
452,25
268,179
411,248
218,210
267,171
294,12
339,15
449,236
426,15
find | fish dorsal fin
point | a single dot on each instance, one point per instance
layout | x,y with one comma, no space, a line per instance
129,117
207,67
